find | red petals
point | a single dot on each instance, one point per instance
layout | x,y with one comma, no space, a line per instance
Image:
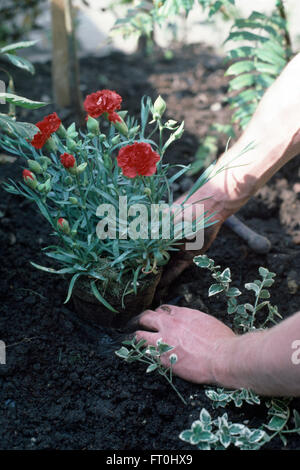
47,126
28,174
103,101
67,160
60,221
137,159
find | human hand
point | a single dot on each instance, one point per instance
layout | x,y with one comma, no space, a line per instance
201,342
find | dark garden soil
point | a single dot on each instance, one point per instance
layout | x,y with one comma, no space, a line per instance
63,387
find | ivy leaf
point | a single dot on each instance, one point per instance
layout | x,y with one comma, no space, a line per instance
20,62
21,101
215,289
151,368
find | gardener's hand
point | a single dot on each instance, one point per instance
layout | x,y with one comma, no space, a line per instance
200,340
265,361
274,132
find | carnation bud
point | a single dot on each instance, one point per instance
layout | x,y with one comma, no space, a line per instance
61,131
121,126
102,137
71,144
68,180
63,225
107,160
73,200
44,187
115,140
51,144
147,191
178,133
30,179
93,126
133,131
35,167
48,185
45,161
159,107
80,169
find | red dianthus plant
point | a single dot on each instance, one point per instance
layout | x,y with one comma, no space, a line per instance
98,189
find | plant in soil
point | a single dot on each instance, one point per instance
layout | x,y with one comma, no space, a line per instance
219,434
98,189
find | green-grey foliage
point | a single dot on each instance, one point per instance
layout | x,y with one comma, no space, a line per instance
98,180
281,422
133,350
219,434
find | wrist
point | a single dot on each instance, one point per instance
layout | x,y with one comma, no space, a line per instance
238,361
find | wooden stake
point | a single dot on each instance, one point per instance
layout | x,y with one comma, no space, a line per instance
65,69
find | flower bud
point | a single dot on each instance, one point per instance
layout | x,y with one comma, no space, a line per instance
30,179
147,191
45,161
63,225
71,144
93,125
121,126
81,168
61,131
102,137
107,160
51,144
115,140
68,180
48,185
35,167
159,107
133,131
44,187
178,133
73,200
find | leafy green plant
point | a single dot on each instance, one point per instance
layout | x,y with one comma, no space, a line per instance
133,350
68,189
263,49
222,397
244,314
141,18
8,122
219,434
257,63
245,320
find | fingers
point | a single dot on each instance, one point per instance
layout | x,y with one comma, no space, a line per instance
153,319
150,319
151,338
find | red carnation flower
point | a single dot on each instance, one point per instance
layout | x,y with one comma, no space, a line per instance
47,126
40,138
52,123
103,101
137,159
28,174
67,160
